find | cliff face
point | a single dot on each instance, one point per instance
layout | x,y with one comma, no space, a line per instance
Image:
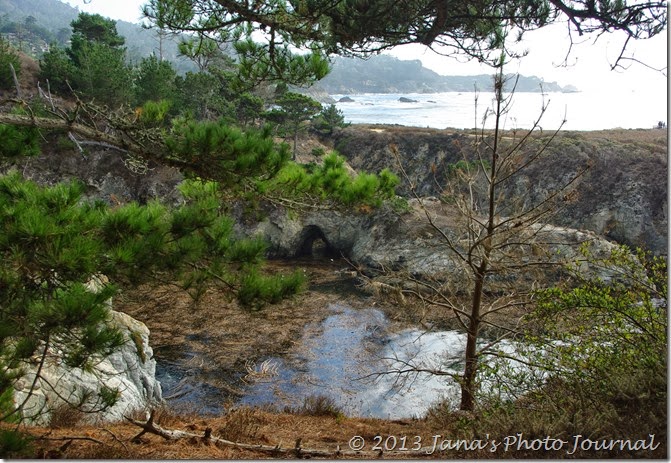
405,241
621,196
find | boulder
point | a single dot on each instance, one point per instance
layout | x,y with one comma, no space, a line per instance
345,99
406,100
130,370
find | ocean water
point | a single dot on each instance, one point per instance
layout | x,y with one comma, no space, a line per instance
582,110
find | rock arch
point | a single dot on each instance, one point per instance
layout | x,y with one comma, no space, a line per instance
313,242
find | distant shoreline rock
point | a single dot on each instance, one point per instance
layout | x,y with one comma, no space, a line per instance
345,99
406,100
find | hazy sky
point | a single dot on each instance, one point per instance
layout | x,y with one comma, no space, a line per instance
589,63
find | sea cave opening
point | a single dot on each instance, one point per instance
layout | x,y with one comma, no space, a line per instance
314,244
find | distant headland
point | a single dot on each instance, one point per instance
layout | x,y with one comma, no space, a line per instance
386,74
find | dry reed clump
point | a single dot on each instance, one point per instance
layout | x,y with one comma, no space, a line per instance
241,424
65,416
318,405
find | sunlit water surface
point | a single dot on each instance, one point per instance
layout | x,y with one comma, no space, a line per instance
582,110
351,358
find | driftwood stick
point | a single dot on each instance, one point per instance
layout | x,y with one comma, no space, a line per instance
123,444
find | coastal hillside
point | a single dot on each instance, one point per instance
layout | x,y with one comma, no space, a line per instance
32,25
386,74
193,271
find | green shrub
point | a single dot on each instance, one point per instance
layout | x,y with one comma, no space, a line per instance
8,56
598,347
318,152
19,141
256,289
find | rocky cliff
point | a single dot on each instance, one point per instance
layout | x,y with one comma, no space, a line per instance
622,195
405,241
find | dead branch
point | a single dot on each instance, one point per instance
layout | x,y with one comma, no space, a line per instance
16,80
297,451
71,438
117,140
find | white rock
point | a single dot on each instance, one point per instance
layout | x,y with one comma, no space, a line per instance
130,370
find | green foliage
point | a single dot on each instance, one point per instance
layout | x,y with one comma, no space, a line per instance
332,182
14,444
467,167
109,396
57,69
297,107
227,153
154,81
95,64
257,289
54,245
276,63
48,259
154,113
19,141
8,56
294,110
204,52
248,108
599,352
612,333
329,119
102,74
199,95
89,29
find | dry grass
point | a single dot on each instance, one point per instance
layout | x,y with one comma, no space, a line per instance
621,135
242,425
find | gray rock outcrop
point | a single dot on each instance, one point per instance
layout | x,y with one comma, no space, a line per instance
386,240
621,196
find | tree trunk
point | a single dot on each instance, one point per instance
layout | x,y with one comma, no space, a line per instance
293,157
468,385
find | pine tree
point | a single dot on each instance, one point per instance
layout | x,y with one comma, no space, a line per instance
57,69
294,110
329,119
90,29
154,81
54,243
